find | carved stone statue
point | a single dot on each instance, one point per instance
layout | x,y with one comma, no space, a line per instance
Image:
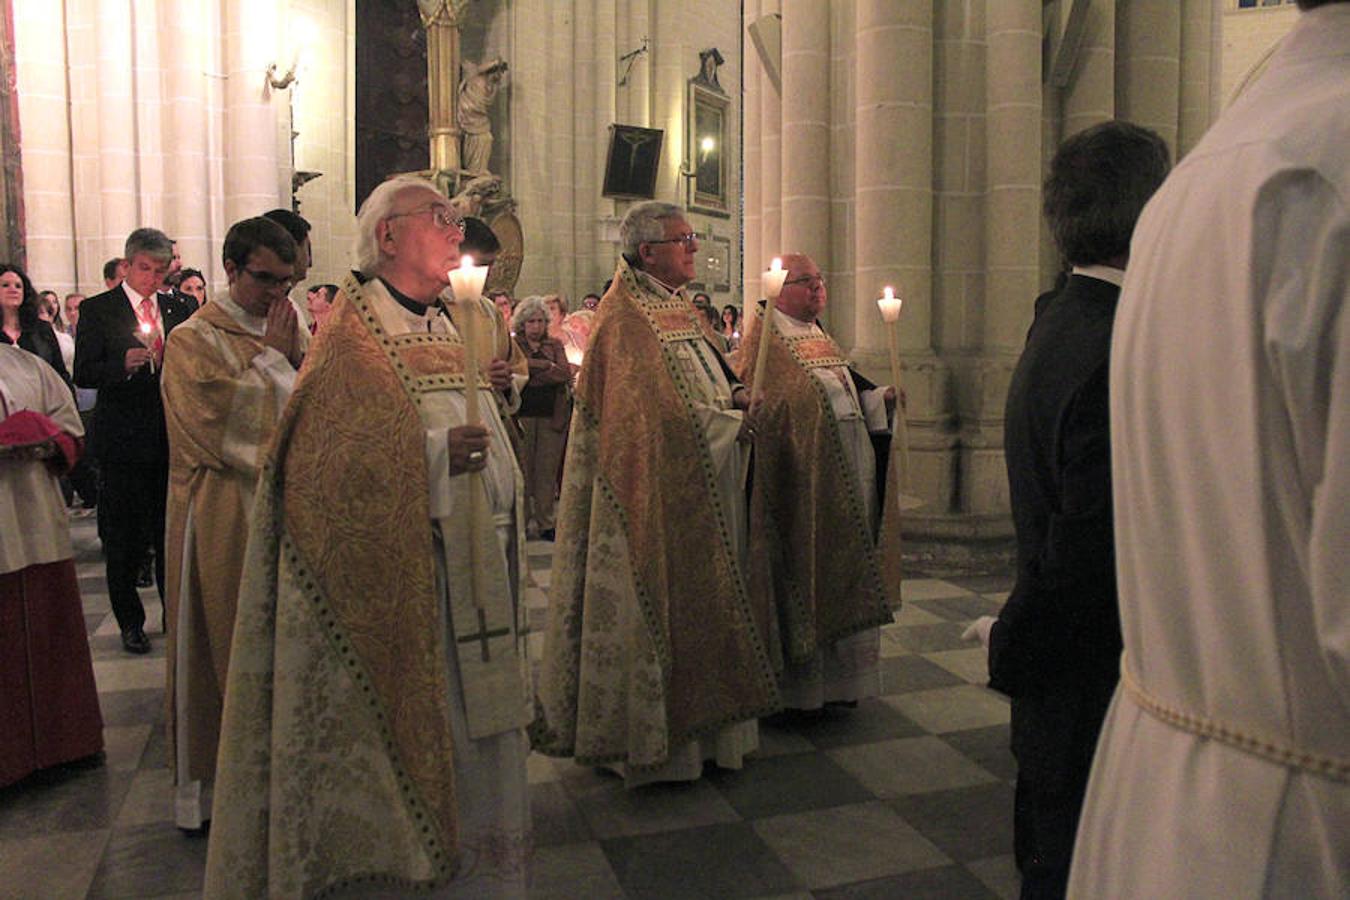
477,89
477,195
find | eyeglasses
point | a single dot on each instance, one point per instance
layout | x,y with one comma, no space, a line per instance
689,240
811,281
270,281
443,217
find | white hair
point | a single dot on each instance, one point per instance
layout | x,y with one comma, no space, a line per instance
376,208
645,222
528,308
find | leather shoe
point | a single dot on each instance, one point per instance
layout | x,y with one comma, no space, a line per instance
135,641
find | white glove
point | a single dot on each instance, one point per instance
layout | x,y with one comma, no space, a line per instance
979,630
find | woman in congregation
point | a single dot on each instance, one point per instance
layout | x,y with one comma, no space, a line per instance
49,711
21,321
545,410
193,283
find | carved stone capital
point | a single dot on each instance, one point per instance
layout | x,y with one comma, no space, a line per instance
442,12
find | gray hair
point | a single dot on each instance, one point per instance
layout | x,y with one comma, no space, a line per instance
645,222
528,309
149,242
375,209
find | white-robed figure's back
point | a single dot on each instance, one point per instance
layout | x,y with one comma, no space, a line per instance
1223,772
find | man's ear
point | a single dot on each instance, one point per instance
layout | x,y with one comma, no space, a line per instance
231,271
384,236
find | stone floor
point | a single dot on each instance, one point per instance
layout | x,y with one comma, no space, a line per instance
909,795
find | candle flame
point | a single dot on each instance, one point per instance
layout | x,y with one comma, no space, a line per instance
145,328
888,292
776,265
466,261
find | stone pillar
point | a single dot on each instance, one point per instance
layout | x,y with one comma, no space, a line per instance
752,155
40,75
893,163
1197,28
251,156
1148,65
770,167
441,19
1090,97
1012,140
1012,145
186,175
806,130
117,175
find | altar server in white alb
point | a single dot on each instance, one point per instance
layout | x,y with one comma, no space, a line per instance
1223,769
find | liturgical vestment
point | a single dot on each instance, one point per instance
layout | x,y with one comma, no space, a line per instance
654,658
816,547
223,391
1223,767
373,737
49,710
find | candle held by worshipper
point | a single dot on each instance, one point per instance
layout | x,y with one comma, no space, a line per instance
772,281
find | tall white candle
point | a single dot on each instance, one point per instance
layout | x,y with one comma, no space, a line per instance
772,281
467,284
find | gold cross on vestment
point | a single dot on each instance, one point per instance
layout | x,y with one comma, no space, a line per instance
483,635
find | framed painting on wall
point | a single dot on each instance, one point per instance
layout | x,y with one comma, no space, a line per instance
631,164
707,153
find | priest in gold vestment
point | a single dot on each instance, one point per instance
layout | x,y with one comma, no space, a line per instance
373,739
228,372
654,658
823,545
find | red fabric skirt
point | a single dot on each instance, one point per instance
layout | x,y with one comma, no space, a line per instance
48,701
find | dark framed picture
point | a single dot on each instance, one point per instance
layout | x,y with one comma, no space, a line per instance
633,159
707,115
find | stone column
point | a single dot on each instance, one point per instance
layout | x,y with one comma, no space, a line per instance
752,155
1090,97
441,19
893,163
40,75
186,173
251,157
806,130
770,167
1197,27
1148,66
1012,150
117,175
1012,140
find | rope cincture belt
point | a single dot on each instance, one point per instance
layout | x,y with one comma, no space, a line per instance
1269,749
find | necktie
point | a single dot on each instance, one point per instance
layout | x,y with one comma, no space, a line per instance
156,342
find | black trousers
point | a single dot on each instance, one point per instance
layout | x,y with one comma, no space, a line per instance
131,518
83,479
1054,736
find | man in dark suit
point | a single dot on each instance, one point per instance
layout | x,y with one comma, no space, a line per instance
119,350
1055,646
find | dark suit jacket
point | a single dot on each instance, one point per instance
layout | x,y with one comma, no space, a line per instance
40,340
129,417
1061,626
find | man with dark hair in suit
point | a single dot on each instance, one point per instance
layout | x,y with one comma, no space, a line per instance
113,270
119,350
1055,647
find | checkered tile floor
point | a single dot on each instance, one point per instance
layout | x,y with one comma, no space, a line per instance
909,795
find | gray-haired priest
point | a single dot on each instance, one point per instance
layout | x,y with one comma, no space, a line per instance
654,659
373,738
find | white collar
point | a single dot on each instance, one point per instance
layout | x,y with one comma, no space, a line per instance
1102,273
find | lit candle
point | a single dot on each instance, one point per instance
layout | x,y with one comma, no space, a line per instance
889,304
772,280
574,354
146,329
467,284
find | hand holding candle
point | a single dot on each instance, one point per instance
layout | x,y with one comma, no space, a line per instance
144,333
772,280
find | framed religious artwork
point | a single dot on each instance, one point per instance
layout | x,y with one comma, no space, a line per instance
712,265
632,162
707,166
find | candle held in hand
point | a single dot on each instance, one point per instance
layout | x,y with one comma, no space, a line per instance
773,279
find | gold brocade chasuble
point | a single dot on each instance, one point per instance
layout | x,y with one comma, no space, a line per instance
336,748
652,640
813,548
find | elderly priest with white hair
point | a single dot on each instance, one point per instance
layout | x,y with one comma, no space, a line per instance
654,659
373,739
